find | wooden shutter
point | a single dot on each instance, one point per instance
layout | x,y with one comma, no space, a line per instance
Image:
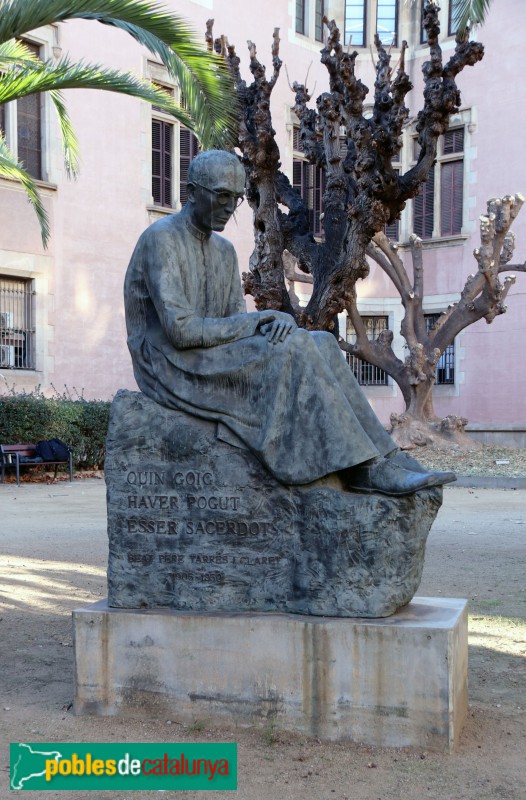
29,128
318,21
188,149
162,149
29,134
423,208
451,192
310,181
453,141
392,231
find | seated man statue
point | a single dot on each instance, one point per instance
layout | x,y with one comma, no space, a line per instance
284,393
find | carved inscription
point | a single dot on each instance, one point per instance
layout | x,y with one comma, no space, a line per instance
189,506
201,577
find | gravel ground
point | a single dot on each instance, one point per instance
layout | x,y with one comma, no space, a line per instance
480,461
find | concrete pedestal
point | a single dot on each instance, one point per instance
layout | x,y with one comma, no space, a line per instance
395,682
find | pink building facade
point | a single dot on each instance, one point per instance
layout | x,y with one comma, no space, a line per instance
62,320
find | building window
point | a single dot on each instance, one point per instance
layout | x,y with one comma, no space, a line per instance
423,32
452,11
392,231
367,374
162,150
387,21
188,149
300,16
452,182
173,148
445,372
318,20
355,21
21,125
309,180
441,196
17,335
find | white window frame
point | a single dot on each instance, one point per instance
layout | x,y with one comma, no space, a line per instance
48,40
158,74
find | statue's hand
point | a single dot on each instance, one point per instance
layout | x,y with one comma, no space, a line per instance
276,325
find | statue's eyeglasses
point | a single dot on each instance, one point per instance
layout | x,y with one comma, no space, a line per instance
223,197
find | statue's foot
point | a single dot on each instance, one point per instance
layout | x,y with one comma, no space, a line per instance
403,459
385,476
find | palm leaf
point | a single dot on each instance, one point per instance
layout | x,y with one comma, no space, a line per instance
11,168
14,52
203,77
70,143
43,77
470,12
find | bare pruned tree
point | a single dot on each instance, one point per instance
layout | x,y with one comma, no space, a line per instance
363,191
483,297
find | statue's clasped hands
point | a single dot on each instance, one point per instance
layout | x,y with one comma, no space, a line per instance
276,325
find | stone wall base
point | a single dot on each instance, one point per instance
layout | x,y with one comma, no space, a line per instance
395,682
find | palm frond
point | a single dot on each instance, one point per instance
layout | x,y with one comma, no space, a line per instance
470,12
11,168
70,143
44,77
13,52
207,83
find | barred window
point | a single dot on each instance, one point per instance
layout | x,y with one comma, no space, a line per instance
445,373
367,374
17,335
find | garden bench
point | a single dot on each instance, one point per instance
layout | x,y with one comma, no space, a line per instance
14,455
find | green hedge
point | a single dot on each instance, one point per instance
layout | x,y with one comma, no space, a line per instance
29,417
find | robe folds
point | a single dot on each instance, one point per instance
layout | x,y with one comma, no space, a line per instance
296,404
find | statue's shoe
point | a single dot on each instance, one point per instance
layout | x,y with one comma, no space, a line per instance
403,459
385,476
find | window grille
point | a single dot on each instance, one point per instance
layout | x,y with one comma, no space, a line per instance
367,374
445,372
387,21
318,20
17,335
355,22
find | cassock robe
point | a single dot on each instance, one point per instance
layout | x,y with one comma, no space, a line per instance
296,404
